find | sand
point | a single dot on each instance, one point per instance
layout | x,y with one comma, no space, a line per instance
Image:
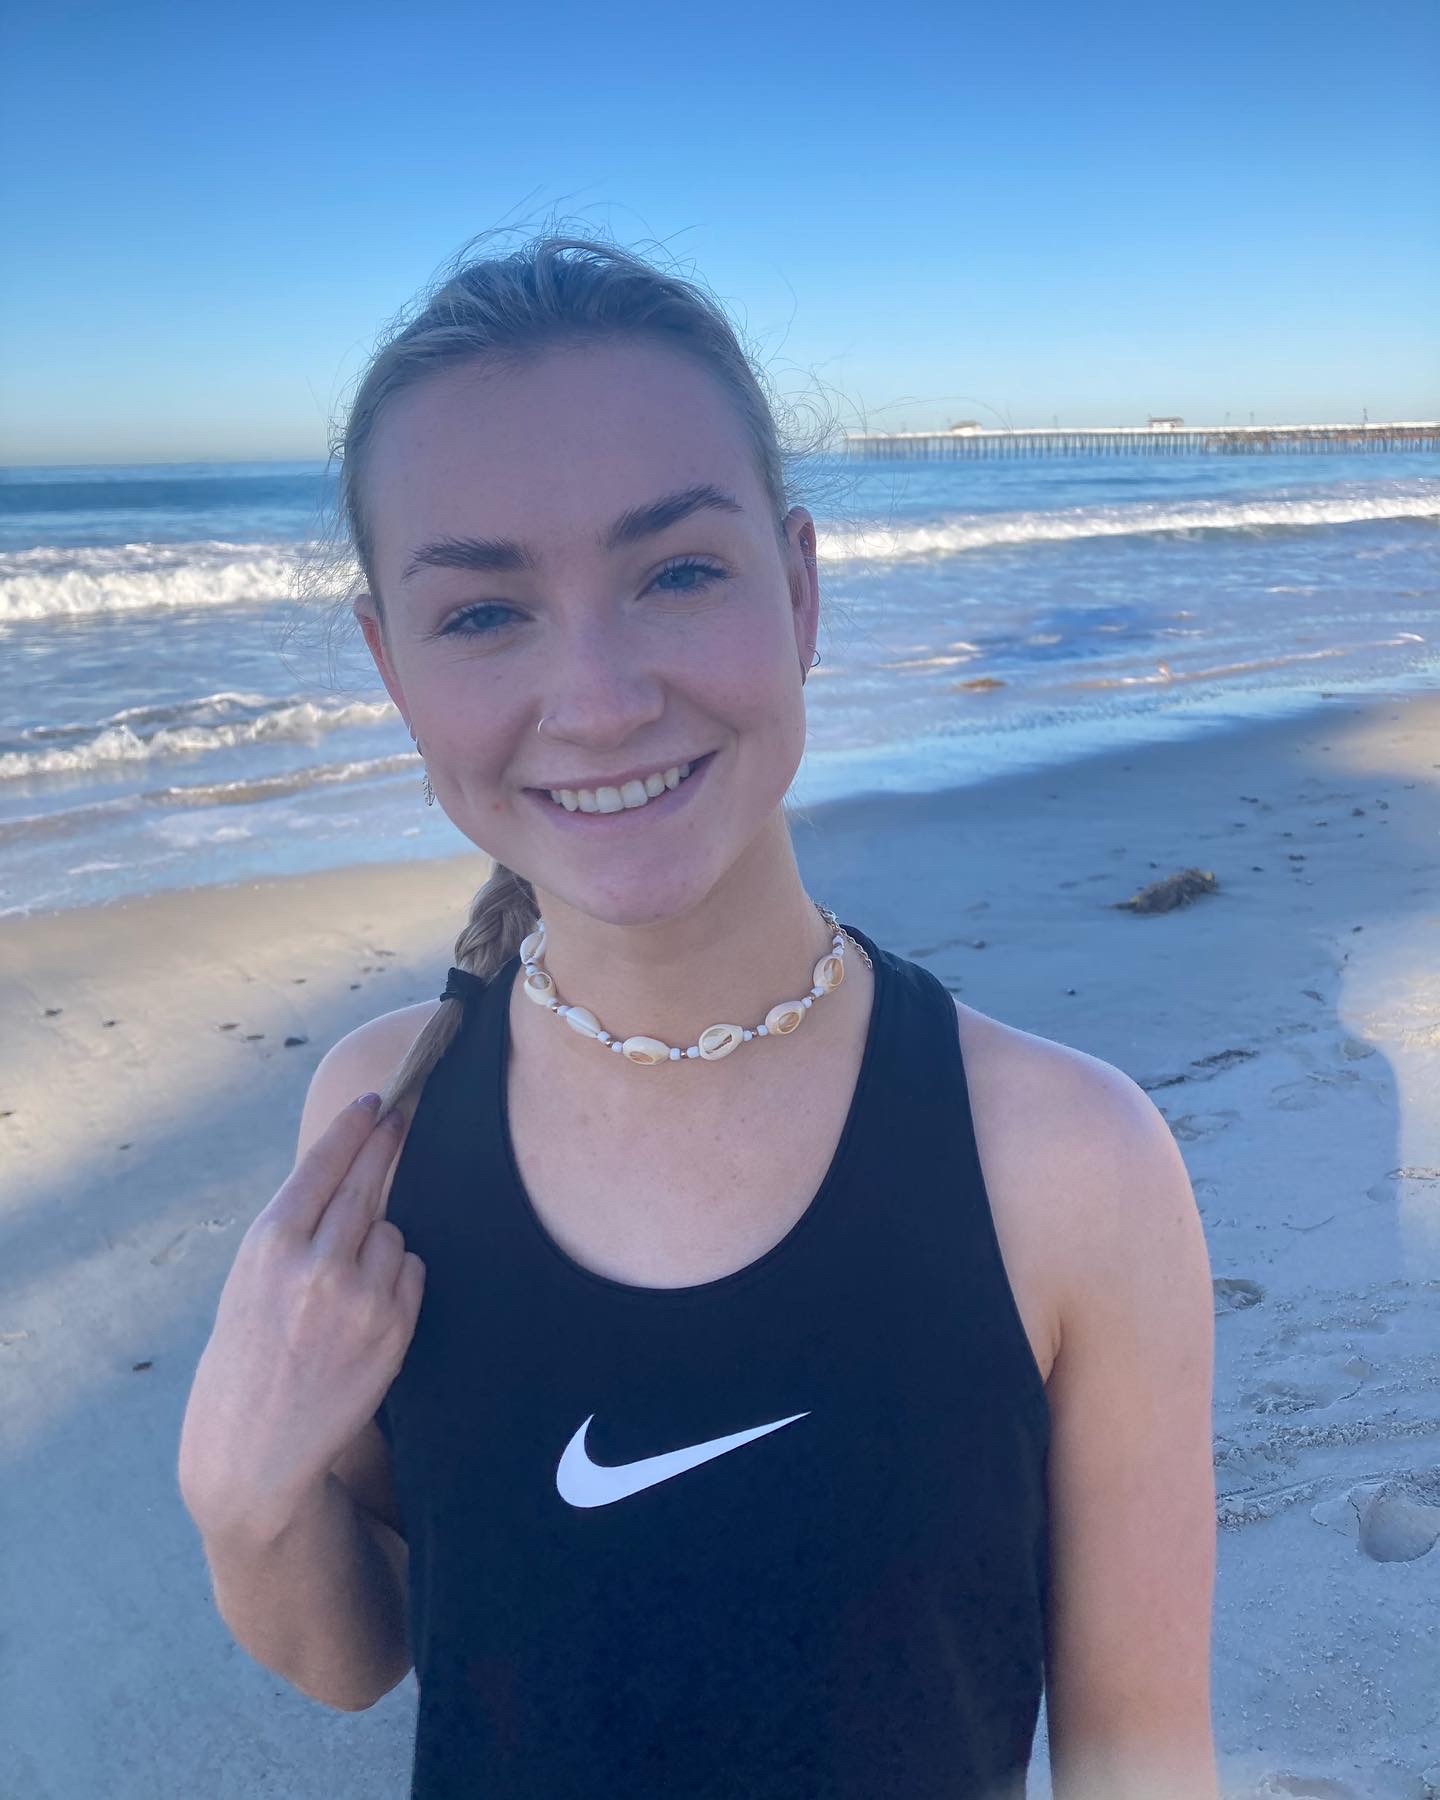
155,1058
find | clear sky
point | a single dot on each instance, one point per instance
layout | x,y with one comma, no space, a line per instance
1011,212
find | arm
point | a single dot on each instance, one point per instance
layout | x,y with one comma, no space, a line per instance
315,1589
1132,1484
319,1598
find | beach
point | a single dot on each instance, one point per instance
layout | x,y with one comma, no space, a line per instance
157,1051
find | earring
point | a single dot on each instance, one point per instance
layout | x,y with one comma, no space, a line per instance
427,790
815,659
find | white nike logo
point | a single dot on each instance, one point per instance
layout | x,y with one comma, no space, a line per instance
586,1483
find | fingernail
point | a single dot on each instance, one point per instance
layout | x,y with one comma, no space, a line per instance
368,1101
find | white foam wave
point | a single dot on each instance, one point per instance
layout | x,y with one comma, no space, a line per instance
56,581
975,531
53,582
123,738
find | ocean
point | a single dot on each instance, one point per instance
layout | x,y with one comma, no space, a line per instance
174,714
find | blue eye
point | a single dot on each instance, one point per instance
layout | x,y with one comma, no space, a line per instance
706,572
480,620
460,625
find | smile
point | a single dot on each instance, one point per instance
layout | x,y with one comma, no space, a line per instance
660,791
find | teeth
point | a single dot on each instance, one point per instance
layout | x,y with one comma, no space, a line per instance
623,799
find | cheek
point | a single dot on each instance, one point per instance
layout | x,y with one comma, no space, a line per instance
752,670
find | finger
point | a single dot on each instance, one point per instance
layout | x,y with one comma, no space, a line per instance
381,1254
356,1202
302,1196
400,1123
410,1285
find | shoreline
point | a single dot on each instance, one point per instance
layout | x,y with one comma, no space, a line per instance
1286,1026
1012,733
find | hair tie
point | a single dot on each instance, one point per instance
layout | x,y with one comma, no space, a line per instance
462,985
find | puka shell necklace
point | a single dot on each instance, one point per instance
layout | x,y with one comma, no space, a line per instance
716,1040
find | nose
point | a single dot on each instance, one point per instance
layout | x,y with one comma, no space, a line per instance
598,689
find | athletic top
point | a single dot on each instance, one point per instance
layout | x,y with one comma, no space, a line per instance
780,1535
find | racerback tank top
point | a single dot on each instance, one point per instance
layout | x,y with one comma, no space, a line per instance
776,1536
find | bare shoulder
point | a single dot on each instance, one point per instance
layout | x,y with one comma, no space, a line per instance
1070,1146
1092,1198
361,1062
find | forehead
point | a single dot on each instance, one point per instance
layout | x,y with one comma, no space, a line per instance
550,452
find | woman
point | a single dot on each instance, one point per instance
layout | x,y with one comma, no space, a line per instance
686,1403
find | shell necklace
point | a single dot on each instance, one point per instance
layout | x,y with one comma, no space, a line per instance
716,1040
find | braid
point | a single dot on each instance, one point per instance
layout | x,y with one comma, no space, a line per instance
502,914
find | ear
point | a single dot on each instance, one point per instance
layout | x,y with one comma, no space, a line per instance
804,578
367,611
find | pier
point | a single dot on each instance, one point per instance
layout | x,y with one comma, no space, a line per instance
1156,439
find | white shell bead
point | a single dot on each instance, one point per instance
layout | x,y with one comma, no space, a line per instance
583,1021
716,1041
540,987
829,973
530,946
783,1017
645,1050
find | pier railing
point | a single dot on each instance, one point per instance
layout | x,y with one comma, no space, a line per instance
1141,440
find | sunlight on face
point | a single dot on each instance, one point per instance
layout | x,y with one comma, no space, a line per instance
522,578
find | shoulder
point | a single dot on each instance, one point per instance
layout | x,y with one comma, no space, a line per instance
361,1062
1083,1171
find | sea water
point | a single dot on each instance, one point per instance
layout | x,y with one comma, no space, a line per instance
179,709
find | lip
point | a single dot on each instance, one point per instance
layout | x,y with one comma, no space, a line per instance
673,800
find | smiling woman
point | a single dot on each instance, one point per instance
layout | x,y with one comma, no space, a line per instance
681,1412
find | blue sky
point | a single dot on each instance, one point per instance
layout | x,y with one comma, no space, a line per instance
1013,212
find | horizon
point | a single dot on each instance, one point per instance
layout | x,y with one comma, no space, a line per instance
321,461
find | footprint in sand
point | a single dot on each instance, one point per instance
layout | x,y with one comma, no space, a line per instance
177,1246
1393,1520
1234,1294
1368,1322
1190,1126
1278,1396
1395,1185
1298,1787
1300,1096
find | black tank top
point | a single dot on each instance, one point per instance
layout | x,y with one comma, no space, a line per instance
777,1536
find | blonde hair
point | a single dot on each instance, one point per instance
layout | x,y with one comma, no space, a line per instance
555,290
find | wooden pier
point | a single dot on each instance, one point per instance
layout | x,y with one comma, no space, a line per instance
1144,440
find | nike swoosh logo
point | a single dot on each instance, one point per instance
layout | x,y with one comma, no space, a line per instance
586,1483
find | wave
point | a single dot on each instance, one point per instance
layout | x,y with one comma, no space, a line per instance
54,582
247,790
984,531
140,734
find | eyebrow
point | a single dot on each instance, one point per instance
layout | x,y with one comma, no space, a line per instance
507,553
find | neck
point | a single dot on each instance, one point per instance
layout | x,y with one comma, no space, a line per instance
752,941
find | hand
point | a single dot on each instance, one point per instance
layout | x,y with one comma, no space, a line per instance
312,1325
